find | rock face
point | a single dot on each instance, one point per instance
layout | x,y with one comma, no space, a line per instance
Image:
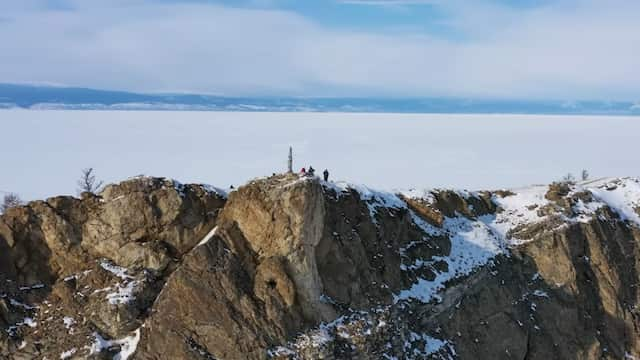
296,268
97,262
286,255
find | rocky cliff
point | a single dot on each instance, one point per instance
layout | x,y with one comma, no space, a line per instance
297,268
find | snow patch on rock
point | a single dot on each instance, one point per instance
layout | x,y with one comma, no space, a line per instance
473,244
215,190
374,199
116,270
208,237
28,322
431,344
124,294
67,354
621,195
518,209
127,345
68,322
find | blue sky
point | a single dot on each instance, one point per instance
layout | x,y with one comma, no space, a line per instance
429,17
547,49
420,17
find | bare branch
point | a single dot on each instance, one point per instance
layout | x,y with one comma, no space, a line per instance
569,178
585,175
88,183
10,200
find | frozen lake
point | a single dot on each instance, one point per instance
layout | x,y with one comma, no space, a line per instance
42,152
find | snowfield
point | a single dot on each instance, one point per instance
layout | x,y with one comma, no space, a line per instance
384,151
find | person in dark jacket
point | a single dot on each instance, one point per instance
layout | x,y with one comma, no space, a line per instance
325,173
312,171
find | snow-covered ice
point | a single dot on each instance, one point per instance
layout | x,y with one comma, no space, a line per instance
384,151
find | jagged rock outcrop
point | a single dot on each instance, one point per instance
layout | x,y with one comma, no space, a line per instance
556,279
289,253
98,261
295,268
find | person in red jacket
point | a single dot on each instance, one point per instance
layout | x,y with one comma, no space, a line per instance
303,171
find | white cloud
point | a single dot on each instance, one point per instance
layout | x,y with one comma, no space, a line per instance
389,2
576,49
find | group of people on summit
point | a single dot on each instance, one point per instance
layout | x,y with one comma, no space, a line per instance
312,172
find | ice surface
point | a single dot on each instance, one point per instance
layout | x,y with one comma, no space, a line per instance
384,151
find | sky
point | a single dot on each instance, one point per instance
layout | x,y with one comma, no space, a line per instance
524,49
46,150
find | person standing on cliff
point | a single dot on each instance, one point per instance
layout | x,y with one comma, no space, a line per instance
303,171
312,171
325,174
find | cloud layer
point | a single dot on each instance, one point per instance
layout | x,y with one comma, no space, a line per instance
569,49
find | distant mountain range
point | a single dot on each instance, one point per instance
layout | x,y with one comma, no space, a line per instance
69,98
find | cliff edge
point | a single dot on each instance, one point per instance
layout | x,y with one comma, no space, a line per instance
291,267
